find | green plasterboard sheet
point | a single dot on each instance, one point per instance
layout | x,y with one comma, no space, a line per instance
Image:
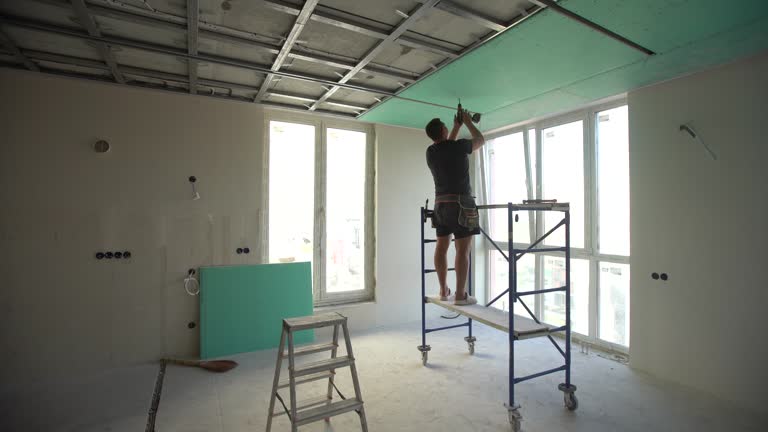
242,307
662,25
739,42
688,35
541,54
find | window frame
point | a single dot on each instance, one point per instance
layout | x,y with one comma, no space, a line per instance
590,252
321,297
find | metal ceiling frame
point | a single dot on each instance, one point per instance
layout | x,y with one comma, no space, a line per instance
106,80
16,52
333,17
87,21
230,35
413,16
134,14
166,76
311,10
477,17
301,20
174,51
193,16
202,57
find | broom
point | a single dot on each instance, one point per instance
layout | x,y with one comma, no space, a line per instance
212,365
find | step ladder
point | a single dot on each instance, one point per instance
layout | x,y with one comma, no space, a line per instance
321,408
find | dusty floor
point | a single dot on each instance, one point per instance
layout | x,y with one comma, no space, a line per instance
455,392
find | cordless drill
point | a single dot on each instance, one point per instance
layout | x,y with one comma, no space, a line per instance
475,116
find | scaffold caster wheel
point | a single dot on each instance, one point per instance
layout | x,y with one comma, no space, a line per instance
470,344
424,349
515,419
571,402
569,396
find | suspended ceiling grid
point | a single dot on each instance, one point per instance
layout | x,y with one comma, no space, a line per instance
334,56
547,64
509,59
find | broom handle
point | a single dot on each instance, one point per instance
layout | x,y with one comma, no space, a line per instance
182,362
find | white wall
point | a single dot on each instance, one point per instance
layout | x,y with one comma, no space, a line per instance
63,202
704,223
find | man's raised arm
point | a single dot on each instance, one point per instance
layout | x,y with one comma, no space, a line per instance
456,127
477,138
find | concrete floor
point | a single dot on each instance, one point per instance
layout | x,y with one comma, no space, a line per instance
455,392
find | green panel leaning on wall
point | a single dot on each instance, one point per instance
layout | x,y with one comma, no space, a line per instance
242,307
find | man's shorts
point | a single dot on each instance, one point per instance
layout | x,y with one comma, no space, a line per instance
446,221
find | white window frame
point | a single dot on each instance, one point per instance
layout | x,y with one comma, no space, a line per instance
321,125
590,251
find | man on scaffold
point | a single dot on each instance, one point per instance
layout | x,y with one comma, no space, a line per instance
455,210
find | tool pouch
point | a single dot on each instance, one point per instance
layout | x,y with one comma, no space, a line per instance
468,215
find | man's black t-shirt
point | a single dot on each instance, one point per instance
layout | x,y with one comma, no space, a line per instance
449,162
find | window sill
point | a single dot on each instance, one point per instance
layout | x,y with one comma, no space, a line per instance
599,345
342,304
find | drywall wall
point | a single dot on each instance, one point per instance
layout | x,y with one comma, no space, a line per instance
702,222
66,314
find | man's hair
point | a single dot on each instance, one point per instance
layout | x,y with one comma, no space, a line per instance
434,129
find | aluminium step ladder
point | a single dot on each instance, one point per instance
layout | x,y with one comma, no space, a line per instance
312,410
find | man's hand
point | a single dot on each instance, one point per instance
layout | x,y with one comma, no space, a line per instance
477,138
466,118
456,127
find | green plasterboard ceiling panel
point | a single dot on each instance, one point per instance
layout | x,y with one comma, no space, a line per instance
543,104
662,25
541,54
739,42
687,35
718,49
242,307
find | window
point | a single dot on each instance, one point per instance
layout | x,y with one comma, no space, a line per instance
554,303
562,178
614,303
345,213
509,182
319,209
613,181
581,158
506,159
291,192
526,281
